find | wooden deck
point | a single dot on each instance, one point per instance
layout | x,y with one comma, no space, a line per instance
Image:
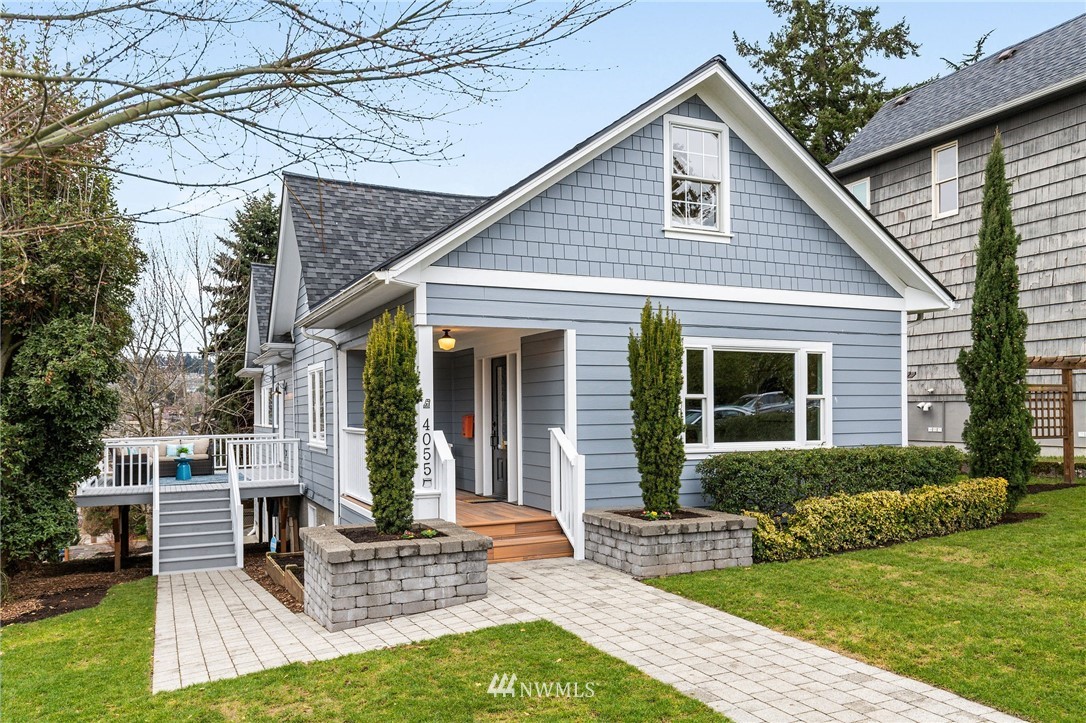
519,532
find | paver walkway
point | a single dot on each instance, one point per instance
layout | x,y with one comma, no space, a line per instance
222,624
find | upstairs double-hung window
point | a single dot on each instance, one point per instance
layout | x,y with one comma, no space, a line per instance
695,177
317,434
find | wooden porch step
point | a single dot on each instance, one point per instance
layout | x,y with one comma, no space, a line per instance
530,547
505,529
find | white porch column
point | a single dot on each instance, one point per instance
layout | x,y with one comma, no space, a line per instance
427,495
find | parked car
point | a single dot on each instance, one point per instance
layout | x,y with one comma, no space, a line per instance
766,402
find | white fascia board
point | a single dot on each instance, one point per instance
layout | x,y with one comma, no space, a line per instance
655,289
288,276
944,130
250,372
819,189
366,294
475,223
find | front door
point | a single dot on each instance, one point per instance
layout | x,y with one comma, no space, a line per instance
499,426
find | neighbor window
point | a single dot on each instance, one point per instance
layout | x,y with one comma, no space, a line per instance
944,180
697,194
316,404
771,394
861,189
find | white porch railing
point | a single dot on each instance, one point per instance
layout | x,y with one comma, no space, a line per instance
262,461
356,475
216,448
567,489
127,463
237,513
446,476
155,508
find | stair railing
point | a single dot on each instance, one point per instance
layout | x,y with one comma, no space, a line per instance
156,507
237,513
567,489
446,476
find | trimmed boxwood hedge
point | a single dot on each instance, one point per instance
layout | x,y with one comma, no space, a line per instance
776,480
825,525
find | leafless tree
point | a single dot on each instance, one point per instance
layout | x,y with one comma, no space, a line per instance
227,85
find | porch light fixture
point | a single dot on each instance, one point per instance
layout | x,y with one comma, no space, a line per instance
447,343
279,388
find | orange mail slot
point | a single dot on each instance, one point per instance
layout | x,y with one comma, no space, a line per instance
467,426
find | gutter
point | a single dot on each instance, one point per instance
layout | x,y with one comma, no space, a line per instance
348,294
975,119
335,415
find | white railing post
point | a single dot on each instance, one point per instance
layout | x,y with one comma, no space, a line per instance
155,509
446,476
237,513
567,489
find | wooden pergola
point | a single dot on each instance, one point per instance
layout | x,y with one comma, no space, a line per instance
1052,405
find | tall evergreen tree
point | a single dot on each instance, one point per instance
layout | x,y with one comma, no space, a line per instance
656,383
993,370
254,239
69,267
815,72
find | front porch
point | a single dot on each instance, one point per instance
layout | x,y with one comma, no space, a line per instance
494,453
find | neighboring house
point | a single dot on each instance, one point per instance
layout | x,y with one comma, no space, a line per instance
919,166
793,302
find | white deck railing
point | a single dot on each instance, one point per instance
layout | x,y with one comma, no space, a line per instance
155,507
567,489
356,475
446,476
237,513
216,448
262,461
127,463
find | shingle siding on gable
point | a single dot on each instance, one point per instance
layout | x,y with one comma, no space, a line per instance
605,220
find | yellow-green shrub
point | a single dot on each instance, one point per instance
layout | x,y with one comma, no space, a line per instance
825,525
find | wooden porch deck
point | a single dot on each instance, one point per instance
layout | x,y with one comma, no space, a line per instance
519,532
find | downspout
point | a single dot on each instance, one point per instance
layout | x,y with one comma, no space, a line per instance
335,416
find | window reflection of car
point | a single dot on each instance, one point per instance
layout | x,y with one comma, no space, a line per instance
766,402
721,411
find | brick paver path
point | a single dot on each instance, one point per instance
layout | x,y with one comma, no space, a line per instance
222,624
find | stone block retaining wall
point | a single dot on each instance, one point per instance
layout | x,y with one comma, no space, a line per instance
349,584
644,548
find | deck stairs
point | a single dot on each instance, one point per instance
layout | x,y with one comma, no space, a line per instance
195,529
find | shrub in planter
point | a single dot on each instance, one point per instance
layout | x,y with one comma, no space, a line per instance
773,481
656,382
391,382
826,525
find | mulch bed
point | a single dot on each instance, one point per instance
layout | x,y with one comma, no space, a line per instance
41,590
676,515
1012,517
370,534
254,566
1034,489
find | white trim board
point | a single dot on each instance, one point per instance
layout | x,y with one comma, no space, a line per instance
661,289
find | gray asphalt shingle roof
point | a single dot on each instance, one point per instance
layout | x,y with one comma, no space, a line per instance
1043,61
345,230
263,280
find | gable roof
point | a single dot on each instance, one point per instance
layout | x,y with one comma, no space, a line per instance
262,280
1046,64
345,230
727,96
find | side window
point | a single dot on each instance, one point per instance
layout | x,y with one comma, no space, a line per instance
695,176
944,180
861,189
317,407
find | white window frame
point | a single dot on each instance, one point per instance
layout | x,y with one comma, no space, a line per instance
936,181
318,413
865,199
800,349
722,232
266,412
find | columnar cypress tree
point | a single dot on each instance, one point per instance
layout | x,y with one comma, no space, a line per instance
656,381
391,382
997,432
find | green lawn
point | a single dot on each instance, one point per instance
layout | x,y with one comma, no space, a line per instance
996,615
96,664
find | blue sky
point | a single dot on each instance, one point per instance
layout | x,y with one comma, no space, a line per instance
623,60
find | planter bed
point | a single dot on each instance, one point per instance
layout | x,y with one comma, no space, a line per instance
644,548
356,583
286,569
